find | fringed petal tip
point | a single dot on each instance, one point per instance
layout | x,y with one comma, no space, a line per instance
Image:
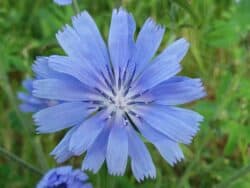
79,15
88,168
176,160
63,30
115,173
153,26
60,155
149,175
119,11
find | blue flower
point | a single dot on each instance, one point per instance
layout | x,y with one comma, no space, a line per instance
63,2
64,177
114,95
31,103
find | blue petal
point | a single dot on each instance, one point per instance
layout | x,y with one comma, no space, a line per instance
79,50
141,161
44,181
23,96
82,72
179,127
63,2
42,70
168,149
80,175
147,43
191,118
64,170
178,90
27,84
164,66
61,152
28,98
178,48
71,42
91,39
65,176
59,117
29,108
117,149
120,40
86,134
66,90
157,72
96,153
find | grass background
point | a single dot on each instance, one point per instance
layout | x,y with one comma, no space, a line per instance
219,35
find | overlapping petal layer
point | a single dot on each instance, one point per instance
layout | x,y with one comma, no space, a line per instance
109,96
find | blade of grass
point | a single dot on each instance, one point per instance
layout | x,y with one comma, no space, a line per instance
21,162
26,127
75,7
237,175
184,4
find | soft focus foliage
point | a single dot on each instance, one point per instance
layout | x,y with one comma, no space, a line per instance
219,54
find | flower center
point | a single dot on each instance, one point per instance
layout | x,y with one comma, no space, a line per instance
120,101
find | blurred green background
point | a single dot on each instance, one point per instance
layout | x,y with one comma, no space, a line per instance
220,40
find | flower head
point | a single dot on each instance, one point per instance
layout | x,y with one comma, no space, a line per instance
114,94
63,2
64,177
31,103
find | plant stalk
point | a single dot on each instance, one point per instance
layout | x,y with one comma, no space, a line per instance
20,161
75,7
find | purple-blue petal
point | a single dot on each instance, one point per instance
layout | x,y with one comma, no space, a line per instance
63,2
30,103
55,89
121,34
61,152
178,90
157,72
168,149
147,43
96,153
59,117
64,176
141,161
79,71
178,48
173,125
117,149
86,134
42,70
91,39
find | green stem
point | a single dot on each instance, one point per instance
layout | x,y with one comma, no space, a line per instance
26,126
186,6
193,164
239,174
76,7
18,160
119,3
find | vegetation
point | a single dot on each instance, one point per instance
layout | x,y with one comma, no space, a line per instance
220,40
